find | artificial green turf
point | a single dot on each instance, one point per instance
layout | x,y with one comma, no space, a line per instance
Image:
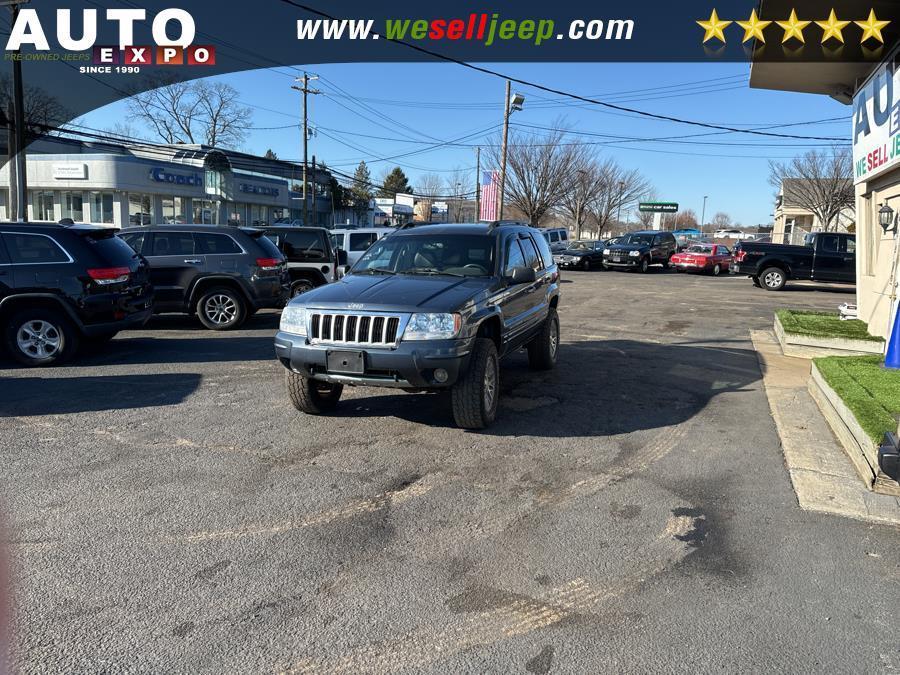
871,391
825,325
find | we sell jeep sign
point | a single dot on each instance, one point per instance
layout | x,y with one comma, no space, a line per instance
876,123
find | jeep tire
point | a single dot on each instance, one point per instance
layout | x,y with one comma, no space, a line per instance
477,392
221,308
543,350
311,396
41,337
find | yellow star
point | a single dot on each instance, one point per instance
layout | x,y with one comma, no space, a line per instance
872,27
793,27
832,27
713,27
753,27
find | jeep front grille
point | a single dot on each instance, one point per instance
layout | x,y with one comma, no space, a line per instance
377,330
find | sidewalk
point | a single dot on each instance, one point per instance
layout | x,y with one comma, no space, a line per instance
822,474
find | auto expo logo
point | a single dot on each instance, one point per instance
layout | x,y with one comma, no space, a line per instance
28,31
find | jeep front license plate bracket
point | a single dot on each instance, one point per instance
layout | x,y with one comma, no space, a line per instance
351,363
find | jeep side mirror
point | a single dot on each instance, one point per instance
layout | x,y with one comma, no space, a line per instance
341,256
522,275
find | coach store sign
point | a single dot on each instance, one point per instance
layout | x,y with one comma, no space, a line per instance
161,175
70,171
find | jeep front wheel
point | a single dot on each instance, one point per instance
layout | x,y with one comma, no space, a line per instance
311,396
477,392
543,350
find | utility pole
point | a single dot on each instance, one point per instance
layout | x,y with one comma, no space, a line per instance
306,90
477,184
18,185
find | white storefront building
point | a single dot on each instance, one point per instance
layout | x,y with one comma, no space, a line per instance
133,185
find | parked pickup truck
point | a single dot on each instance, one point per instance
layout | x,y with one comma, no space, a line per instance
824,256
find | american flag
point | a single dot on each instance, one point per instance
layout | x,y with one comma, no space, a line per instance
489,180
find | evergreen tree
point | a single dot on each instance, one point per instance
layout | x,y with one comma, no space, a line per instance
270,154
361,189
396,181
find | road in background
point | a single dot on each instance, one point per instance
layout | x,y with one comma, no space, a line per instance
629,511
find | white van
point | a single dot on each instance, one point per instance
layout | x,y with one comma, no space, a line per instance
356,241
557,237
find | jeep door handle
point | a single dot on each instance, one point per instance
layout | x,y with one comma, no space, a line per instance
193,261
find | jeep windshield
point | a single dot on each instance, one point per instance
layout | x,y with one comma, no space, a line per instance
429,254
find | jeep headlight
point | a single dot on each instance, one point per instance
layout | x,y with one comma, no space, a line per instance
634,254
606,251
293,320
432,327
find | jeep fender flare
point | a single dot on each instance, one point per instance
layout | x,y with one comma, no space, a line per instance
9,300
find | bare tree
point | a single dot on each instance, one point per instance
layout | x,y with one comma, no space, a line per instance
193,112
721,220
622,188
457,184
646,217
588,185
43,111
429,185
539,171
819,181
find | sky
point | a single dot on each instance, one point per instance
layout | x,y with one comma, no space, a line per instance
374,111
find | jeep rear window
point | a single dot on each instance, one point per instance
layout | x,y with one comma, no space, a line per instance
111,249
269,247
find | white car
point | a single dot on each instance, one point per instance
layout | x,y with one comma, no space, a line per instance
356,241
740,235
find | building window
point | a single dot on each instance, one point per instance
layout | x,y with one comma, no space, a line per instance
139,209
258,215
43,206
237,214
4,206
102,207
174,210
206,212
72,204
277,213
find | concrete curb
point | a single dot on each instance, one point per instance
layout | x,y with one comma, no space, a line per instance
810,347
858,446
823,477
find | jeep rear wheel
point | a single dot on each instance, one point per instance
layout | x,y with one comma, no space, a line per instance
221,308
41,337
311,396
477,392
543,350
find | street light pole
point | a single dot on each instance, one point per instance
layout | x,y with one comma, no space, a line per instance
510,106
703,214
502,181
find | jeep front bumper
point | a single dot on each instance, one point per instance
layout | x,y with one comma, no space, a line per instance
411,365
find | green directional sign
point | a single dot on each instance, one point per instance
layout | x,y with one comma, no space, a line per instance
658,207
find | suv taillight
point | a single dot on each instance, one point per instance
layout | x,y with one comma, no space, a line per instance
109,275
268,264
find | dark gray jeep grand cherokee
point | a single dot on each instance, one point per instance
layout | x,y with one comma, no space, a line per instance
432,307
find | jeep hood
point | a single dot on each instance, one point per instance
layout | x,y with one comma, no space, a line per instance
396,293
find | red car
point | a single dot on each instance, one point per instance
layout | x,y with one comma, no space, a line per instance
712,258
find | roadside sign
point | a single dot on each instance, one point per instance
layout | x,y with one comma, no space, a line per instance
658,207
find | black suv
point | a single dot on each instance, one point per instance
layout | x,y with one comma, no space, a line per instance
639,250
432,307
224,274
311,260
60,285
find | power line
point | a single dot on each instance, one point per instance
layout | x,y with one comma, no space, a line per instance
560,92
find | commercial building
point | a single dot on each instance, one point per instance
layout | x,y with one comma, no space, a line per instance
134,184
793,221
873,89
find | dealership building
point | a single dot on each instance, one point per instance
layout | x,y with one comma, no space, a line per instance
133,184
872,90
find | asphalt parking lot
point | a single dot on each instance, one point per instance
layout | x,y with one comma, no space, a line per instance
629,511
